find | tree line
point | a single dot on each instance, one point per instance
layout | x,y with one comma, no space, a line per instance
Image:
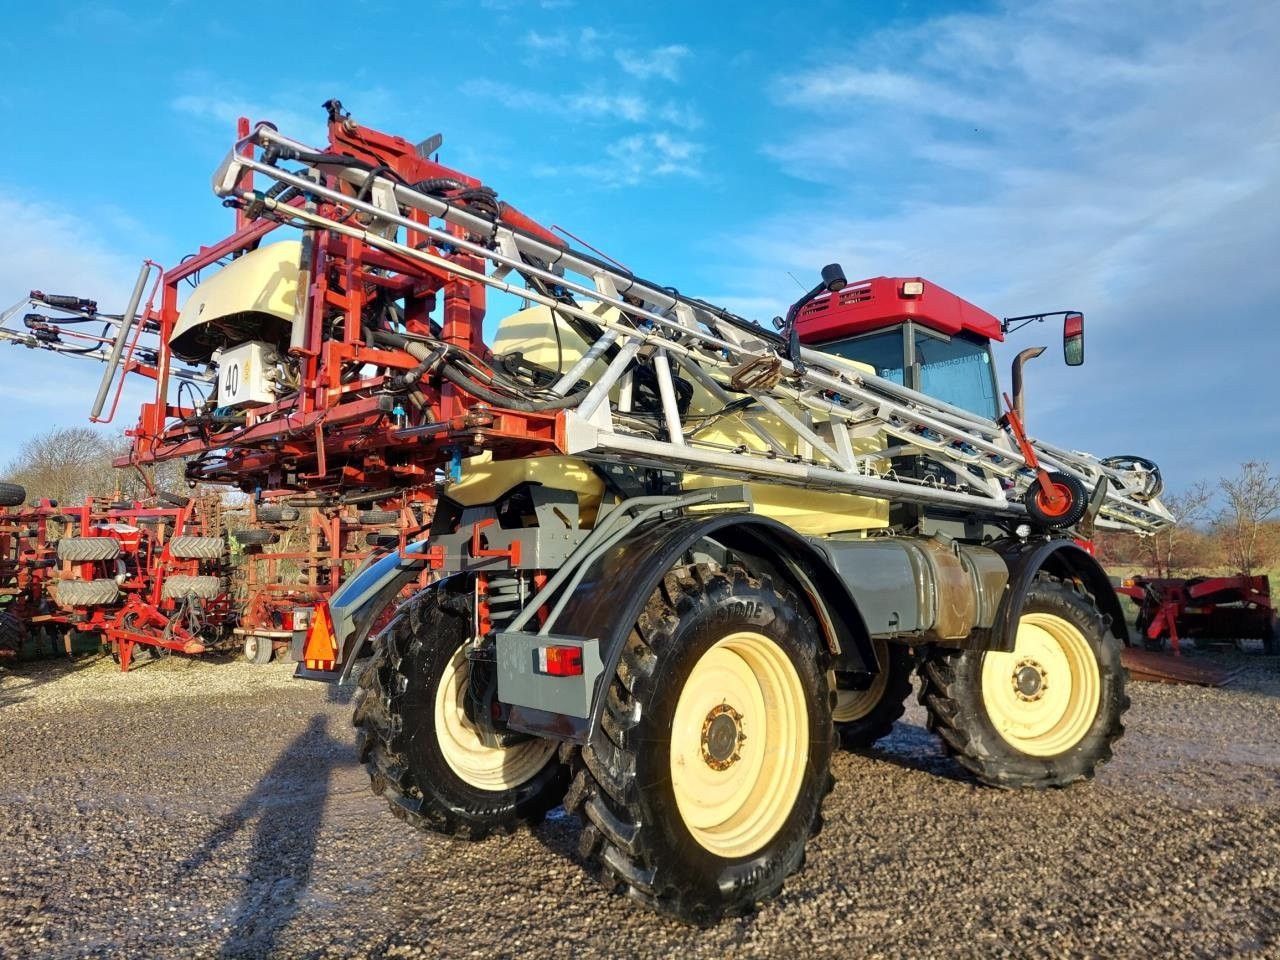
68,464
1231,526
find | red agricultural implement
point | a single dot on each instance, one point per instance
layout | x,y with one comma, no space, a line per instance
1209,609
296,556
149,575
27,565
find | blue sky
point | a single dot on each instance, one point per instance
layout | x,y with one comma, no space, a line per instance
1121,159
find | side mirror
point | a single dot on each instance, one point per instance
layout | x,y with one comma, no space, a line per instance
1073,339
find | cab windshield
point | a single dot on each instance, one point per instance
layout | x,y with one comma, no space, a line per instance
955,369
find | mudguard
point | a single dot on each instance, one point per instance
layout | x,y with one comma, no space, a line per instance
616,588
1062,558
356,604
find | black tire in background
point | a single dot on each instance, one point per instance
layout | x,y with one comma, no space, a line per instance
277,514
960,714
12,494
378,516
13,635
872,714
254,537
624,787
417,669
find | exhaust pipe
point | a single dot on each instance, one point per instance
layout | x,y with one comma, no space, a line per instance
1018,405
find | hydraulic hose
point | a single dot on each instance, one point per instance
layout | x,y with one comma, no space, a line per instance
420,351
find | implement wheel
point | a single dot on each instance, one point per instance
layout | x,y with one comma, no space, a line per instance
1068,507
258,650
1044,715
422,751
866,711
708,780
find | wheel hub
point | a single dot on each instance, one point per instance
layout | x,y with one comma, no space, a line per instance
1030,680
722,737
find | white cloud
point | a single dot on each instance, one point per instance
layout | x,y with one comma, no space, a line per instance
584,44
546,42
225,110
48,249
1123,161
663,62
635,159
588,104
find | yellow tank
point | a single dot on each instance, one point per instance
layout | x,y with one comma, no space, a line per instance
530,333
252,298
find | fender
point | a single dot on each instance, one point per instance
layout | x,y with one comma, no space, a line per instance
356,604
614,592
1063,558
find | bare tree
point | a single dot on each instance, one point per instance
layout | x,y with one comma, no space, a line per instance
1252,498
71,463
1180,545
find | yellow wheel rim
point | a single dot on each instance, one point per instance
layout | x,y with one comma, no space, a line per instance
481,766
1043,697
853,705
739,744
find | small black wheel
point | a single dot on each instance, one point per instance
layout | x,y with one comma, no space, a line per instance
1066,511
1044,715
378,516
867,707
422,751
12,494
277,514
258,650
254,537
173,499
707,778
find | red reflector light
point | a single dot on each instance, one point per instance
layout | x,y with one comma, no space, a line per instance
1073,325
559,661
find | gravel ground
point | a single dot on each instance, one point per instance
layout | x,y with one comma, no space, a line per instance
197,809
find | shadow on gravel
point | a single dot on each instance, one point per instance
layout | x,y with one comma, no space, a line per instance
915,748
288,803
19,680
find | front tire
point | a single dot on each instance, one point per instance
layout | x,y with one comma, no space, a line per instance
1044,715
422,752
709,777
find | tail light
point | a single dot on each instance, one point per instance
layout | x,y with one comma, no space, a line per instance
559,661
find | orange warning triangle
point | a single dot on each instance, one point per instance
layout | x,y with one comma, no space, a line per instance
320,652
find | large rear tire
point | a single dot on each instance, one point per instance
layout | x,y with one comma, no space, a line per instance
708,779
1044,715
422,752
866,712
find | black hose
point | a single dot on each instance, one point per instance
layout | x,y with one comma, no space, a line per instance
457,378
